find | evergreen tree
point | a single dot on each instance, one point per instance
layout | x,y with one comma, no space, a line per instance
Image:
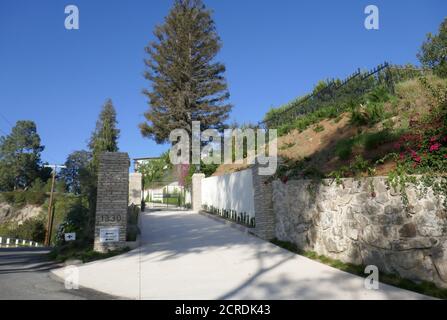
187,84
76,171
20,162
104,139
105,136
433,53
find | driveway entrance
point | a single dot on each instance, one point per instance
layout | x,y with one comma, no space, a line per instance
185,255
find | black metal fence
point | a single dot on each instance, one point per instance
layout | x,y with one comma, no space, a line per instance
337,92
162,194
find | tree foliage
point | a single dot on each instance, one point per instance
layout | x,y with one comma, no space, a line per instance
105,136
20,162
433,53
76,171
155,169
187,85
104,139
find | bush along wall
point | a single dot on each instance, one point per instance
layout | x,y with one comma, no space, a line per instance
238,217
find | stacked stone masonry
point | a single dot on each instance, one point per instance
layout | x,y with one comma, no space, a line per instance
262,191
112,197
365,222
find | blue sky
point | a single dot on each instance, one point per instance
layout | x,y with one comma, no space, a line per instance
274,51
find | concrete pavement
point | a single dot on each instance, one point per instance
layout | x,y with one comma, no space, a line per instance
185,255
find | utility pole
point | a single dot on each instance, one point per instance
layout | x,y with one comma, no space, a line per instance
54,168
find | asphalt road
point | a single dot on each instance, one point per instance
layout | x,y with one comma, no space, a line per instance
25,275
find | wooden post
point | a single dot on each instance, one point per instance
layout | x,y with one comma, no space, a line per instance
50,211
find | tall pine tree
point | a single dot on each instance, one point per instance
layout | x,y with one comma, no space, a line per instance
105,136
104,139
187,84
20,162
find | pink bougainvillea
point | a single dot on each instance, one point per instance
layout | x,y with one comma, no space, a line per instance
435,147
182,171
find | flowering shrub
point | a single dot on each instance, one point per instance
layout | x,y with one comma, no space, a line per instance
423,152
424,149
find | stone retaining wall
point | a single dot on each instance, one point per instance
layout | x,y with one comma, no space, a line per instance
365,222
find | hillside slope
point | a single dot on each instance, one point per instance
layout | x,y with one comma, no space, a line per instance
361,141
9,214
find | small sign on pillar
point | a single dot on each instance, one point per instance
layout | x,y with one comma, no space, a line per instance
109,234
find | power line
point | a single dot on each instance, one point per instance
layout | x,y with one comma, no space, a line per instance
6,120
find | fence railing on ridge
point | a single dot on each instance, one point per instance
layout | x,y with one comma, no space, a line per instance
361,82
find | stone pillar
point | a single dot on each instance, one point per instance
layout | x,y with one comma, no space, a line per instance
135,188
112,201
264,214
197,191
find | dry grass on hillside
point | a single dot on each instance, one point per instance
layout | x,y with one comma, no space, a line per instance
316,145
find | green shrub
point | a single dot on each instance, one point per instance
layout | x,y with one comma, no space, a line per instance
36,194
359,117
133,213
38,186
31,229
35,198
19,199
378,94
305,121
373,140
343,148
318,128
71,215
369,114
376,112
8,197
359,165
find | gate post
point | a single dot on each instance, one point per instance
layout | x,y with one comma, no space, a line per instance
197,191
135,189
264,214
112,201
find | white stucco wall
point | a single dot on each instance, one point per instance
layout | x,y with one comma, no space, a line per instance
231,192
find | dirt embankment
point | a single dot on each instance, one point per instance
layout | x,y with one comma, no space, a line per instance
317,144
18,215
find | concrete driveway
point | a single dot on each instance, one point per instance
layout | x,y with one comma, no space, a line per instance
185,255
